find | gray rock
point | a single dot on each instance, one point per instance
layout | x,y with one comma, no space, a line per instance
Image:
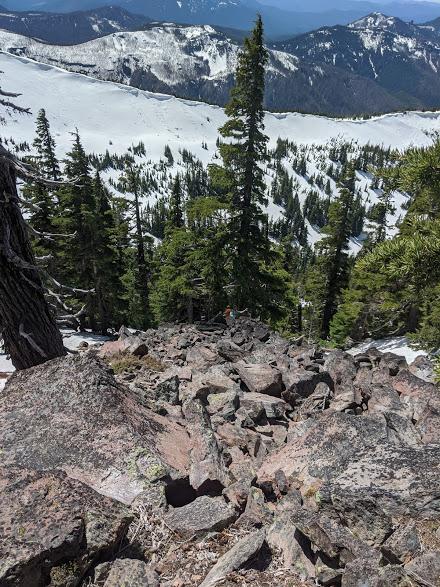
403,545
230,351
205,514
425,568
207,471
126,573
245,549
260,378
283,536
273,408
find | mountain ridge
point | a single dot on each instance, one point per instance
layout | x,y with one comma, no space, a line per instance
71,28
198,62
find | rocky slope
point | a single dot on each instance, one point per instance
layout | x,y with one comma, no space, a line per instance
214,456
71,28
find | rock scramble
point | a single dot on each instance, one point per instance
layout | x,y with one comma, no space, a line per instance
203,456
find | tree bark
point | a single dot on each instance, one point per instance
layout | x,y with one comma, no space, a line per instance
27,325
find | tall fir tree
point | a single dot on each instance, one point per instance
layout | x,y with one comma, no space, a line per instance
41,199
176,204
243,177
333,248
44,144
106,269
77,219
140,278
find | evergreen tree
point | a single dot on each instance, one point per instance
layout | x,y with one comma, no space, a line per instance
243,177
176,205
333,248
106,269
44,143
77,218
141,271
41,199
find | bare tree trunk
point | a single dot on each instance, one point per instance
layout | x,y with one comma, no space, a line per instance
29,329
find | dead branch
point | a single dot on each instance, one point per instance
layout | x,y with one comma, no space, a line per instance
31,341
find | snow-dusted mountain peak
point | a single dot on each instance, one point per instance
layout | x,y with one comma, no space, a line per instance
376,20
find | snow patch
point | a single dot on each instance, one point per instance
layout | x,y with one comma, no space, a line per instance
397,345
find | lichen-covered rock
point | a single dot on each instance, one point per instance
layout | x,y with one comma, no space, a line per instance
235,558
54,526
71,415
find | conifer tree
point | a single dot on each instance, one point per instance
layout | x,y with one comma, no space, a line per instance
41,198
141,272
44,143
77,218
333,248
106,269
248,246
176,207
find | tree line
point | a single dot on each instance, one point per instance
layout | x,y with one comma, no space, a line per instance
99,267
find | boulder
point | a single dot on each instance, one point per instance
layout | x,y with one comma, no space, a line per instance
125,572
367,572
70,414
283,536
341,368
423,368
208,472
300,384
272,407
403,545
235,558
416,393
205,514
54,526
201,357
260,378
114,347
357,467
425,568
230,351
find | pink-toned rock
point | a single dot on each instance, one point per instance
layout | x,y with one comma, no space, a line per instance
114,347
342,456
416,393
70,414
51,524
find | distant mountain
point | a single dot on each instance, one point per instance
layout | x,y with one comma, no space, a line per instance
71,28
402,58
237,14
282,18
198,62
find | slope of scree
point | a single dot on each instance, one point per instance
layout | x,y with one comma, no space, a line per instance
220,456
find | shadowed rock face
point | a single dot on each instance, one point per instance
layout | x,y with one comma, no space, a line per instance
245,459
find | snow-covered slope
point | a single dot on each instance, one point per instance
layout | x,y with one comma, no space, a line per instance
104,111
114,117
198,62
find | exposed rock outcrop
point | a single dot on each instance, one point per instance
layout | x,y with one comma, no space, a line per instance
220,456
